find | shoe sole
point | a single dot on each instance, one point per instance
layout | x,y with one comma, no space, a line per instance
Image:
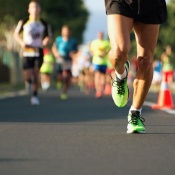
135,132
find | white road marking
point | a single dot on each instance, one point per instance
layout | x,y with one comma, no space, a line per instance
170,111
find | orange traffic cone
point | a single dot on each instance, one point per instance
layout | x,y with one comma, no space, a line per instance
165,99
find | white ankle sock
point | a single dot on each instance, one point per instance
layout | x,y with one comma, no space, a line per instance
121,76
134,109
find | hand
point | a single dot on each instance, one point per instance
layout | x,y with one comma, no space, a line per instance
72,54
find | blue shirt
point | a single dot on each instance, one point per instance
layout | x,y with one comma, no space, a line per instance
66,47
158,66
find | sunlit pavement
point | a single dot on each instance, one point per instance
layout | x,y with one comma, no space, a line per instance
82,136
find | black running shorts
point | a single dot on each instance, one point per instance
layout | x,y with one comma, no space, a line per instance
144,11
33,62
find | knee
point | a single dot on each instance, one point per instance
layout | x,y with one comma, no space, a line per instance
145,68
144,63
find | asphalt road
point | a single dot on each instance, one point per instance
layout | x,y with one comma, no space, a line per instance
82,136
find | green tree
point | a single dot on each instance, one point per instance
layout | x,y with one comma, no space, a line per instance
56,13
167,34
70,12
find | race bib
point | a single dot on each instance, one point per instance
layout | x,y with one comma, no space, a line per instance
31,52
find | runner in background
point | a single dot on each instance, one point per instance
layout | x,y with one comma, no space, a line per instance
99,50
168,65
84,61
32,34
64,49
157,74
46,69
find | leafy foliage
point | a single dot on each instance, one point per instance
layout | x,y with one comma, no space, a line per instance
56,13
70,12
166,35
74,14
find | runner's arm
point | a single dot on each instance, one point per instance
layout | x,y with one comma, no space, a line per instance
55,51
46,41
47,34
17,34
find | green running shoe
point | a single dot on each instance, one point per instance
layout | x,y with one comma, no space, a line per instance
135,123
64,96
120,91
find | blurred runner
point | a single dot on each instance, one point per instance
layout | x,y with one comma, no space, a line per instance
157,74
64,49
168,65
99,50
46,69
36,34
84,60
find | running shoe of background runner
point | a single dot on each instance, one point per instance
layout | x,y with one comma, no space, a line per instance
64,96
34,100
98,95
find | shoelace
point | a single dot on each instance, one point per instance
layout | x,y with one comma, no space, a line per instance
135,117
119,85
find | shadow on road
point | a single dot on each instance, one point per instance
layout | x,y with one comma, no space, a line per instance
78,108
